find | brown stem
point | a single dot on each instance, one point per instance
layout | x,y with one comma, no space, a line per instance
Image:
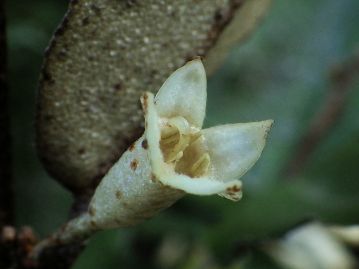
52,253
325,119
6,195
59,257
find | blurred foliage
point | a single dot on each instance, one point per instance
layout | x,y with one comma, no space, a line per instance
282,73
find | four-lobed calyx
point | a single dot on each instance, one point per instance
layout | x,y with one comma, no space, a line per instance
175,155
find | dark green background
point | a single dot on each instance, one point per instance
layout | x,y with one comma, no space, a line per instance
282,73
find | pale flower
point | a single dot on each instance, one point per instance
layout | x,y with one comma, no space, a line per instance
186,157
313,246
175,156
347,234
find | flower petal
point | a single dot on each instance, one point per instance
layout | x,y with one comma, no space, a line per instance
347,234
184,94
234,148
200,185
311,246
165,173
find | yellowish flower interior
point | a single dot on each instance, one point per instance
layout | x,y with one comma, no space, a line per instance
182,147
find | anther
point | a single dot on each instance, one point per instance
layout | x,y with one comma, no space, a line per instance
200,167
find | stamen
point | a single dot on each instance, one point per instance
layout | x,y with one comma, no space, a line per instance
177,151
179,144
201,166
173,143
170,140
168,131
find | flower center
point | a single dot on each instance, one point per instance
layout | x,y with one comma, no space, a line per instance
182,147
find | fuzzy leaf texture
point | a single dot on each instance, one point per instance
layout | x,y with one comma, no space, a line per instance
104,55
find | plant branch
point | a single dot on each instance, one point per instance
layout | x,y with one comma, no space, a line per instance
342,77
80,165
6,196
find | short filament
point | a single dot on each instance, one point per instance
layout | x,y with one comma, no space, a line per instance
178,145
201,166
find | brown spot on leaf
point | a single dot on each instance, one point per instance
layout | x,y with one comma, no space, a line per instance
132,147
81,151
134,164
233,189
117,87
144,144
118,194
153,73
